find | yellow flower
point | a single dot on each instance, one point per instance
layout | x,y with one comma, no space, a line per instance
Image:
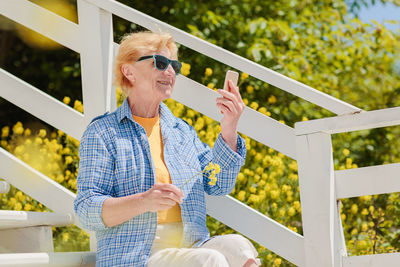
28,207
3,143
27,132
210,85
18,129
78,105
65,237
364,227
291,211
244,76
346,152
18,206
42,133
241,195
272,99
249,89
354,208
274,194
185,70
38,141
364,212
254,105
371,209
68,160
304,118
208,72
66,100
5,131
277,262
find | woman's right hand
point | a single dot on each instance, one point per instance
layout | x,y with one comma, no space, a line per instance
162,197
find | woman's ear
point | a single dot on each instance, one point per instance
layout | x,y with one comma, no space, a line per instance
127,71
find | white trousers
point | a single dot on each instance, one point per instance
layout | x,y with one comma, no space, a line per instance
221,251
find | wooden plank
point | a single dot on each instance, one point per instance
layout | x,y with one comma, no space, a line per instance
96,37
43,21
267,75
59,259
377,260
40,187
32,100
318,200
257,227
373,180
351,122
4,187
252,123
17,219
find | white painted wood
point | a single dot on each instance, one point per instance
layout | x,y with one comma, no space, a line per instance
318,200
339,239
252,123
18,219
351,122
287,84
29,239
42,21
4,187
96,58
41,105
37,185
377,260
373,180
59,259
255,225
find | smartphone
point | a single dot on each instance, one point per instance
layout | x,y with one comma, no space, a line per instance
233,76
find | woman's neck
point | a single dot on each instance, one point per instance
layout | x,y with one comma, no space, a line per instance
142,107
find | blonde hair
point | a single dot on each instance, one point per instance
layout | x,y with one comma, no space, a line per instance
135,45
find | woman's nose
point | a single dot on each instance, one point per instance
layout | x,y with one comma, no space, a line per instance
170,70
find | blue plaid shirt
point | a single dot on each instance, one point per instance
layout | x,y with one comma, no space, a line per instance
115,161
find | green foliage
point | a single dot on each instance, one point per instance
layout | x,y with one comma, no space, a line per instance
318,43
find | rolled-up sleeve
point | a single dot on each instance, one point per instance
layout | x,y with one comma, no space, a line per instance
95,179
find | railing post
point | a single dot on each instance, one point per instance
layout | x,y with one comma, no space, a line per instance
96,35
321,226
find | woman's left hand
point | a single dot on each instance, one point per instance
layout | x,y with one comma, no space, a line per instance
231,106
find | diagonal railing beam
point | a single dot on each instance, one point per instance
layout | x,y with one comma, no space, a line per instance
267,75
38,103
274,236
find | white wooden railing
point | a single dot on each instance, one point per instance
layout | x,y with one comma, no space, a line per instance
322,243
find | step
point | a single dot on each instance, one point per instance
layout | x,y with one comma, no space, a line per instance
18,219
23,231
4,187
60,259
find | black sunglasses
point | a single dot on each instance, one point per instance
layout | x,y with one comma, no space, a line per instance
161,63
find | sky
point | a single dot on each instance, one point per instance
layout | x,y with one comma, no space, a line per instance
381,12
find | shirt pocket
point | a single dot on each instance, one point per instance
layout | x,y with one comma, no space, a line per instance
127,172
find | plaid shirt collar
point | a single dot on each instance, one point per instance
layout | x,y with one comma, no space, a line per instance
166,116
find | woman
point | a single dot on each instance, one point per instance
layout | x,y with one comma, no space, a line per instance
134,161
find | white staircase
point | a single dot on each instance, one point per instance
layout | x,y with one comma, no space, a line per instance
26,239
309,143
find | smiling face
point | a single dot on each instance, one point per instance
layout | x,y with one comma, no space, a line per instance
150,84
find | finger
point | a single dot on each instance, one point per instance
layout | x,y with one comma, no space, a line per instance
222,109
233,88
167,202
236,91
229,104
231,97
172,196
171,188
